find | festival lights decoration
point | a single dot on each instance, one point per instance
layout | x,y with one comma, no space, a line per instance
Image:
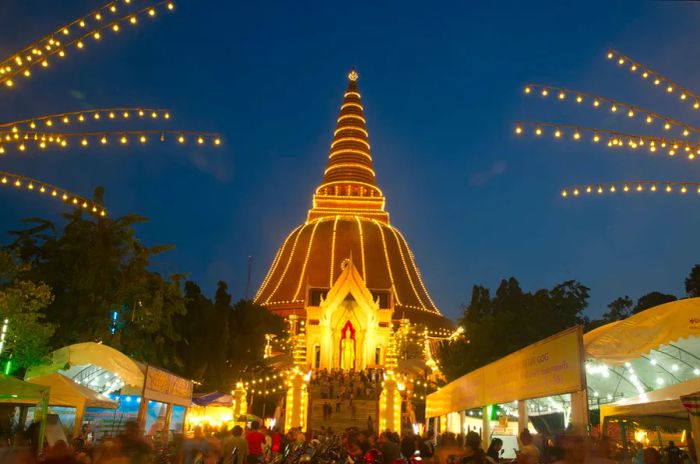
679,142
49,131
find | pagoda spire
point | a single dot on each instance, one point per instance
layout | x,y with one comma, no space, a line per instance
349,185
349,158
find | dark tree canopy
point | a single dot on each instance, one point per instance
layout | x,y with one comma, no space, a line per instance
652,299
510,320
692,282
79,275
96,268
223,342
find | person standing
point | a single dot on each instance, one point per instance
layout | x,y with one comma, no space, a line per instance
528,454
673,454
493,454
196,449
277,442
235,448
255,441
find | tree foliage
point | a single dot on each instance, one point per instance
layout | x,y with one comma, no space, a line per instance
96,268
692,282
223,342
510,320
652,299
22,303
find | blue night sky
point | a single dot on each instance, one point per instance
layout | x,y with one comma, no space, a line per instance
441,85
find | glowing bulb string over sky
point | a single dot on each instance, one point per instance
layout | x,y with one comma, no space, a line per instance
614,106
45,131
614,139
76,34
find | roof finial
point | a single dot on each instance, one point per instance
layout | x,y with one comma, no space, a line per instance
353,76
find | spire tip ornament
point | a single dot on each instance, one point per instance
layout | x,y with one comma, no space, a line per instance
353,76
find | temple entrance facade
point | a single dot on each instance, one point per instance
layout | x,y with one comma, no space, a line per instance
347,329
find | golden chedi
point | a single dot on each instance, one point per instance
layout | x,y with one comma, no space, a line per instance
346,271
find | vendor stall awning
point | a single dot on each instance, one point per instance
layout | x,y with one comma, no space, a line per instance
641,333
65,392
96,354
13,390
662,406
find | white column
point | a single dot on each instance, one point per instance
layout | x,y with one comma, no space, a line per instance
579,413
485,428
522,415
695,431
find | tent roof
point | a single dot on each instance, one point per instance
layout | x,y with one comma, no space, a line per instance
664,405
213,399
75,358
13,390
65,392
641,333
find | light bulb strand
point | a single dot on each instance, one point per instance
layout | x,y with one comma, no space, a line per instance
28,183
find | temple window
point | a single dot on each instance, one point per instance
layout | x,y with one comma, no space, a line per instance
317,356
383,299
316,295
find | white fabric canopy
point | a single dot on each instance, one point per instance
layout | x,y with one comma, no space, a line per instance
96,354
641,333
660,407
13,390
65,392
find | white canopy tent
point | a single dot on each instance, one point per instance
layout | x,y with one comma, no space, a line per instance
661,407
65,392
638,368
645,352
100,367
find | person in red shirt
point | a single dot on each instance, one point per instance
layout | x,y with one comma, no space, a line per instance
276,442
255,441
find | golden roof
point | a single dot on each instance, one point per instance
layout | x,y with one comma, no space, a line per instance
348,219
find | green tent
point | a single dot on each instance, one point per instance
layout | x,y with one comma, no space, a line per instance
15,391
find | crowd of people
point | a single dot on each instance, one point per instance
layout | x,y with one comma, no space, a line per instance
340,385
208,445
259,445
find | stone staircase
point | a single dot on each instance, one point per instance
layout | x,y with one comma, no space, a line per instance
339,421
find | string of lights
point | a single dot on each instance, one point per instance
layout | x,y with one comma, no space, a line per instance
22,138
28,183
611,138
39,52
615,106
616,139
657,78
634,186
49,120
23,133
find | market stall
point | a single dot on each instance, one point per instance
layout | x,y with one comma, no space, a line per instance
156,399
16,392
214,409
66,392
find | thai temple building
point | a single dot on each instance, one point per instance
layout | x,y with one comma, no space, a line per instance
346,272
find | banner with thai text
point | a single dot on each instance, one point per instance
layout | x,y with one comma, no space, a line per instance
553,366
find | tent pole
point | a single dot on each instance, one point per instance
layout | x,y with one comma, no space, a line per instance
44,408
143,406
166,425
79,413
695,432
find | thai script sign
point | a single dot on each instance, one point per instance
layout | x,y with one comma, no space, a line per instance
553,366
159,381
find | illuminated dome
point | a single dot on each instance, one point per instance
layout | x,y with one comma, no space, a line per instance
347,222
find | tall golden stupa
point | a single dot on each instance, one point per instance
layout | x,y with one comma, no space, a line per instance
346,270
